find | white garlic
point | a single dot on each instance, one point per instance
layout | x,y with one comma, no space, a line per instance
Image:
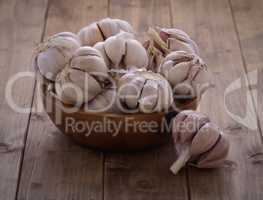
144,91
198,141
178,40
185,72
53,54
103,29
83,79
123,51
104,102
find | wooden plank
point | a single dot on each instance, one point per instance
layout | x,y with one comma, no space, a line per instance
18,36
54,167
248,23
143,175
210,24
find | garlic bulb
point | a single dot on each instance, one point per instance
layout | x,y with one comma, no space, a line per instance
163,41
186,73
84,78
101,30
53,55
144,91
198,141
123,51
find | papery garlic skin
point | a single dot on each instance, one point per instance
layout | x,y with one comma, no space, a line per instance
54,54
84,77
144,92
204,145
101,30
122,51
178,40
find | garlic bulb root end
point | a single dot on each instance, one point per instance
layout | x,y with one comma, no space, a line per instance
181,161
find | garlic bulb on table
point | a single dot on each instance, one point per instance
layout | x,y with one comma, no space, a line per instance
144,91
186,73
198,141
53,54
103,29
84,78
123,51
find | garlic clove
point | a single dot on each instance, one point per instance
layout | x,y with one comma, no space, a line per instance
216,156
76,87
165,97
179,56
178,73
88,59
90,35
177,45
205,139
165,68
50,63
196,121
115,50
104,102
89,64
180,36
175,33
53,54
100,47
66,91
86,82
132,92
135,55
108,27
149,96
178,122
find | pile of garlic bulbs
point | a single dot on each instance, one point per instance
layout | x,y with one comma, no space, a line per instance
106,55
104,68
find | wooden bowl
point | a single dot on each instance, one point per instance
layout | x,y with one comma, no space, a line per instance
129,135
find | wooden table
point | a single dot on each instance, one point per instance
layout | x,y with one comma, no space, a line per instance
37,162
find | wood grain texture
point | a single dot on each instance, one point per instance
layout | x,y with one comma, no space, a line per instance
229,34
211,25
144,175
54,167
18,37
249,26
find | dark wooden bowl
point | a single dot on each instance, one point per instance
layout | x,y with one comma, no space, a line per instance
126,138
